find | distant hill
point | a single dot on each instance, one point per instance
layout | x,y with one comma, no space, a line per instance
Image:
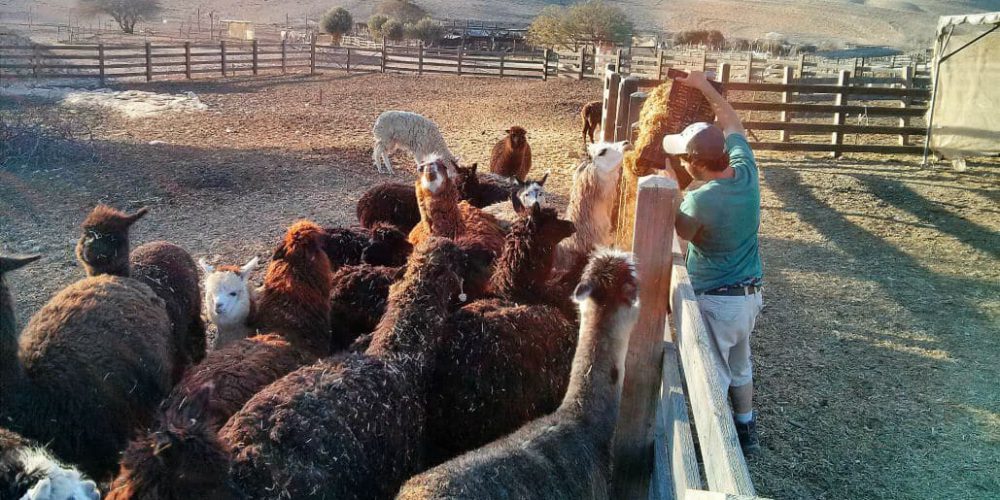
897,23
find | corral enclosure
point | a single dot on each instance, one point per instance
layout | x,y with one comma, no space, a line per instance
875,351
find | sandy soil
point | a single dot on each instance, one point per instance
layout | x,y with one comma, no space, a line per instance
891,22
875,355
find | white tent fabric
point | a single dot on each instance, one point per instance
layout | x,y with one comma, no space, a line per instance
965,114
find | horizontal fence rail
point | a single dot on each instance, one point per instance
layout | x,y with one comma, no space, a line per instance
861,118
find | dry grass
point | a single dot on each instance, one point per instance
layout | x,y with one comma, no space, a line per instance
876,353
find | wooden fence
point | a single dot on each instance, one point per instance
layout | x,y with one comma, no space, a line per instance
879,119
229,58
655,455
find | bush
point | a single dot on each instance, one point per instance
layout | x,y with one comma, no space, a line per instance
33,137
712,39
590,21
375,24
394,30
337,22
424,30
403,10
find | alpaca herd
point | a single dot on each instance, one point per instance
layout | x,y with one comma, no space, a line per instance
456,343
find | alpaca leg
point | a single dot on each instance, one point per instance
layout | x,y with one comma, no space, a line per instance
387,162
378,153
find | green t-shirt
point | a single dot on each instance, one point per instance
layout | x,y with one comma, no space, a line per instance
726,212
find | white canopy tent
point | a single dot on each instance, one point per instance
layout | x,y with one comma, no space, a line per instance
964,115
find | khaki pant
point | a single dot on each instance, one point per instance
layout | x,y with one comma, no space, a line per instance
729,320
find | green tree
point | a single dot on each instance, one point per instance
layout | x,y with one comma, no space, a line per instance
425,30
337,22
127,13
375,24
590,21
403,10
394,30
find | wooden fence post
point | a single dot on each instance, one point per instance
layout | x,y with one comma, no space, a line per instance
34,60
100,61
312,54
905,102
725,71
802,66
612,80
659,64
627,86
635,102
583,62
253,48
704,60
222,53
385,49
284,57
187,60
786,97
348,60
838,118
750,67
545,65
420,58
632,451
501,65
619,61
149,62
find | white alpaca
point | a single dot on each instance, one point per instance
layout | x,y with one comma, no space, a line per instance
229,300
530,193
56,481
590,201
417,134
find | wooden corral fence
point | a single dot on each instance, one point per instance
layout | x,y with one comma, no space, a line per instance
655,456
228,58
745,66
856,118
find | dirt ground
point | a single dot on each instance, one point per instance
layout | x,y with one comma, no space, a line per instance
876,354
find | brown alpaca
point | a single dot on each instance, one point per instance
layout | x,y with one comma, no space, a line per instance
293,320
512,155
565,455
591,116
442,214
104,245
352,427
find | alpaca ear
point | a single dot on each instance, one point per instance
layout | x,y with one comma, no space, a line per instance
544,178
10,263
582,292
279,253
474,167
137,215
196,404
567,228
249,266
205,266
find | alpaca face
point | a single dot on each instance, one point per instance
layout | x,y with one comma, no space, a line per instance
99,249
227,293
533,194
518,136
57,482
610,279
433,176
607,157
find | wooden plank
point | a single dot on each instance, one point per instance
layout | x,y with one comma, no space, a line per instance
905,103
696,494
612,80
828,109
657,199
819,128
149,63
838,118
676,460
725,467
829,89
842,148
786,98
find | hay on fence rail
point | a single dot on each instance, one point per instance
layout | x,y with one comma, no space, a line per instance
643,160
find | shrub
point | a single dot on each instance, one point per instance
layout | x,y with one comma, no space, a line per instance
337,22
394,30
375,24
590,21
424,30
403,10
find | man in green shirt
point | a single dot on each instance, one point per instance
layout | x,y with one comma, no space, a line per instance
721,219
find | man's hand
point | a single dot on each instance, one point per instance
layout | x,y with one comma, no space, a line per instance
695,79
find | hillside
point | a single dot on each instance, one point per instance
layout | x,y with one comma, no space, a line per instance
878,22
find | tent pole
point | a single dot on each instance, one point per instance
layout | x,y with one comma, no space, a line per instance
934,85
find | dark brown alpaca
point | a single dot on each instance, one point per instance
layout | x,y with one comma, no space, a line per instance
512,154
293,320
591,116
566,455
507,359
89,369
104,245
352,427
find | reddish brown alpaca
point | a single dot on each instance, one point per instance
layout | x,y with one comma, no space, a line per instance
442,214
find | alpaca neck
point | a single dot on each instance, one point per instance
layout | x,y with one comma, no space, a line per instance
590,210
296,304
11,371
440,212
521,269
595,382
415,311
